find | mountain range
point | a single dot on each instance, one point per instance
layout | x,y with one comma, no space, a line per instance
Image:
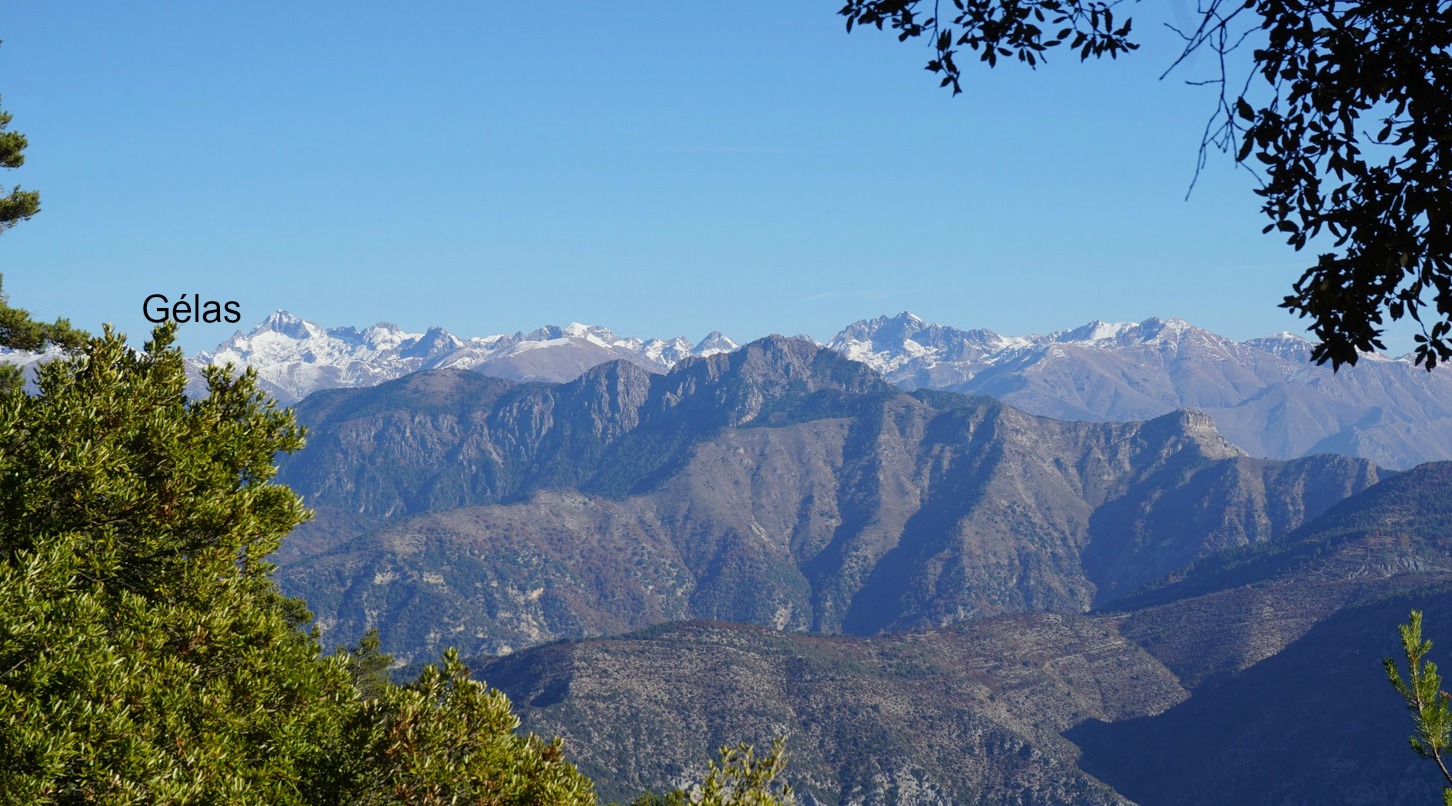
1263,394
952,567
294,357
938,597
781,484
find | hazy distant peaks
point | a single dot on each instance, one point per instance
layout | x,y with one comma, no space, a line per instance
1123,333
1284,344
909,335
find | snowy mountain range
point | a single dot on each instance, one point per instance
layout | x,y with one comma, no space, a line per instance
1263,394
295,357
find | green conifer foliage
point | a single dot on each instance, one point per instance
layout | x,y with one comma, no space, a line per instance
1429,704
17,205
145,653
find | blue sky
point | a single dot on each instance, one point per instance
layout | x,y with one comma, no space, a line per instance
660,168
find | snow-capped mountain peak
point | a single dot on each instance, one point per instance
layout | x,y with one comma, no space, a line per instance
282,322
1095,332
714,343
1284,344
295,357
905,342
387,336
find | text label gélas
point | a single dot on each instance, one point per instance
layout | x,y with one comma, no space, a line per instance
158,308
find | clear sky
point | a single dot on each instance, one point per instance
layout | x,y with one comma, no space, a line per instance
660,168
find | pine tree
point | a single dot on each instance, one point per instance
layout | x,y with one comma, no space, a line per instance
17,330
17,205
1431,707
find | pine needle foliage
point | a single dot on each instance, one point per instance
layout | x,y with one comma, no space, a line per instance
19,331
1431,707
17,204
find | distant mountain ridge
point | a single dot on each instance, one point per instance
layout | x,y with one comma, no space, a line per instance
295,357
1262,394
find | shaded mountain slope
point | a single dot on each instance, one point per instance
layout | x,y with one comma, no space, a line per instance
1315,723
1402,526
1282,643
